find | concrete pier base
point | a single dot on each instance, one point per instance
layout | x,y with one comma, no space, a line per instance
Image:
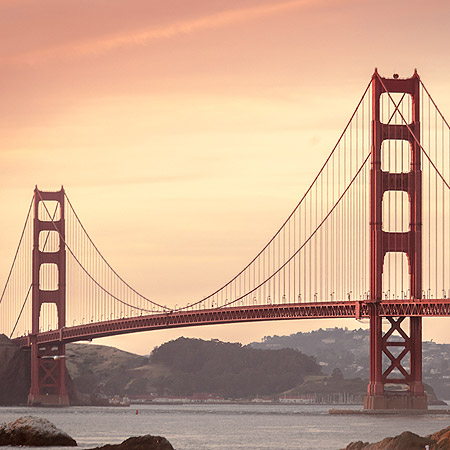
48,400
396,401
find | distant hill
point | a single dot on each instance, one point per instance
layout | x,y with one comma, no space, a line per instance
186,366
230,369
348,350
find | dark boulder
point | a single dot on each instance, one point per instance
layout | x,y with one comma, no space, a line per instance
35,432
146,442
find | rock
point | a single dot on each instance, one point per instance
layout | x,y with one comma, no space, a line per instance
357,445
34,431
442,439
404,441
146,442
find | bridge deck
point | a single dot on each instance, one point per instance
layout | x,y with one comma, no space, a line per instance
320,310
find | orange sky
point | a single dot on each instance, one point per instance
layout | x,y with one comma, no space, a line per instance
185,131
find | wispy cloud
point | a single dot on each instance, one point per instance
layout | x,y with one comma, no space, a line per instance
145,36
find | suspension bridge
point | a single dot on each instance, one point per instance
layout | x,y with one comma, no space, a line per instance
370,238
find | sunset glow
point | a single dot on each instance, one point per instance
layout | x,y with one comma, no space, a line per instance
185,131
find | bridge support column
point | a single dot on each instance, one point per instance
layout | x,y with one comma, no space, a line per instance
48,369
375,391
388,356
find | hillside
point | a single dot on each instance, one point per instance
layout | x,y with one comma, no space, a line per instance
348,350
92,365
231,370
186,366
14,373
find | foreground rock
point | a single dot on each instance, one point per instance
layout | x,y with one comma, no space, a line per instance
34,431
407,441
146,442
442,439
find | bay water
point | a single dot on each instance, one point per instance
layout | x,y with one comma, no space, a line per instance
229,426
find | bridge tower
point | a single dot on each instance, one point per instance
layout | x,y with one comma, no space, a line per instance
48,367
408,340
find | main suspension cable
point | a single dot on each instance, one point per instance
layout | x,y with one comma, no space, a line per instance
414,136
86,271
306,241
17,251
290,215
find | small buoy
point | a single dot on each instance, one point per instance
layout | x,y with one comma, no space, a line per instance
395,75
137,412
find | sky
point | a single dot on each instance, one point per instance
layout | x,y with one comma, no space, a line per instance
185,131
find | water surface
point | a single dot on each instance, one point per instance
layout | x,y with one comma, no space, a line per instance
228,427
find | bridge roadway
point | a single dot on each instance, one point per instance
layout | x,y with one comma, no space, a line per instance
179,319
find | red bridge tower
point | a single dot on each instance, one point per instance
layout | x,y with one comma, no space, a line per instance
396,371
48,367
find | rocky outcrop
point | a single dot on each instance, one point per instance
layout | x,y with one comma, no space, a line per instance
34,431
38,432
442,439
407,441
146,442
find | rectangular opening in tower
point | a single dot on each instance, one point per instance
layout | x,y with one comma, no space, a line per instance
396,279
395,156
395,108
48,319
49,210
396,212
48,277
49,241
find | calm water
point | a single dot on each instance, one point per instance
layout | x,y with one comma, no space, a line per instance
228,427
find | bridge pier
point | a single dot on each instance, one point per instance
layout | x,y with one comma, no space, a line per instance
389,349
391,400
48,367
48,375
414,396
